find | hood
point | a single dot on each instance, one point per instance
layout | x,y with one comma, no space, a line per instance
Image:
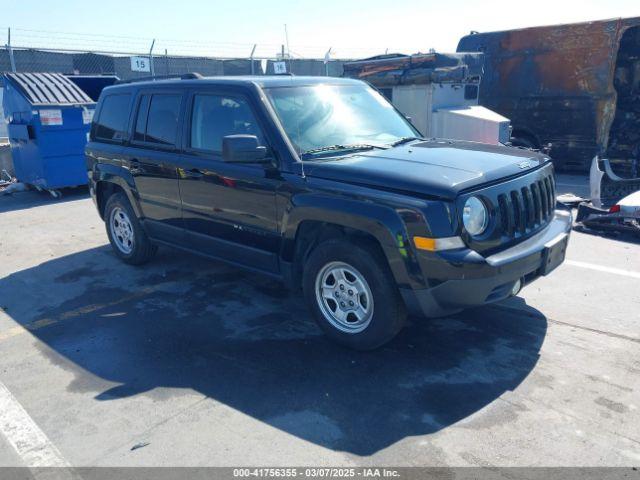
440,168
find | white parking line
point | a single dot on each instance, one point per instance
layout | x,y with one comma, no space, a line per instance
29,442
602,268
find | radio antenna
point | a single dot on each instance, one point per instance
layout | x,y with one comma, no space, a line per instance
286,38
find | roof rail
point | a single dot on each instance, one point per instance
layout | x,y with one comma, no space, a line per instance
184,76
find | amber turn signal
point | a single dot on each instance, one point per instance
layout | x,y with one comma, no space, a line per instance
436,244
425,243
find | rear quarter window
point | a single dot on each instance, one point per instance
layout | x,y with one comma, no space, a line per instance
113,119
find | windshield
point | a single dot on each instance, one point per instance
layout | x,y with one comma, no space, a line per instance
337,117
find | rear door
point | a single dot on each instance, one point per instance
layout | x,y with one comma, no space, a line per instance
152,155
109,130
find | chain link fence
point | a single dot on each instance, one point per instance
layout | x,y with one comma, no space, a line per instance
133,65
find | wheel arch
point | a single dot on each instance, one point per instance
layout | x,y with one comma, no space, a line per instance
104,190
110,179
376,226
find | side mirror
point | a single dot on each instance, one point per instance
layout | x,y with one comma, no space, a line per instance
242,149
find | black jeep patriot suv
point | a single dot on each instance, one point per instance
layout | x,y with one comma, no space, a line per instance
321,183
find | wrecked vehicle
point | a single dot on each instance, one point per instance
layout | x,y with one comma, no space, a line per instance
606,187
623,216
438,92
614,204
574,86
321,183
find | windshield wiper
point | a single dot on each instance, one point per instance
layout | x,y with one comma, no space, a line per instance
405,140
339,147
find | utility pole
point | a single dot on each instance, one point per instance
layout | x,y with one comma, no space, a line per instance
327,58
286,37
253,51
151,67
10,51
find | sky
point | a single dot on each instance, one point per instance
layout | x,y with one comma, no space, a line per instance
352,29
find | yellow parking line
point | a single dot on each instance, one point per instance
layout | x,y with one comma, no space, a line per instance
45,322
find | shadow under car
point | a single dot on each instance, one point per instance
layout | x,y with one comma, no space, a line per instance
241,339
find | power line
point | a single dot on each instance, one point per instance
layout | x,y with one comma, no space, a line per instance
33,38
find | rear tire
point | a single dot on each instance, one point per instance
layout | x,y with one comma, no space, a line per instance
126,235
352,294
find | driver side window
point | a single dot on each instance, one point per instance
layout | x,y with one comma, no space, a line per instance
216,116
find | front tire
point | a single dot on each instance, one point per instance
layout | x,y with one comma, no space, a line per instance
352,294
126,235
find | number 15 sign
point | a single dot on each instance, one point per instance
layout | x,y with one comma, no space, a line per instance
140,64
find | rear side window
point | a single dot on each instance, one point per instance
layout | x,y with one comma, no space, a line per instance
157,120
214,117
114,117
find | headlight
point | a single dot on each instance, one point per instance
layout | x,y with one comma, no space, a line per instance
475,216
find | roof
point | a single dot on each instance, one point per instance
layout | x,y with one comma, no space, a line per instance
48,89
268,81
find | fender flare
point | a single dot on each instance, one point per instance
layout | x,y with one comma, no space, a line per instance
380,221
122,177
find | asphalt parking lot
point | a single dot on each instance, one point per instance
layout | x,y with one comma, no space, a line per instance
191,362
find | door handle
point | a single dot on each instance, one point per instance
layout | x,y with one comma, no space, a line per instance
193,173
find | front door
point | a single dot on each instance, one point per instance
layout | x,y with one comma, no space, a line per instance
229,210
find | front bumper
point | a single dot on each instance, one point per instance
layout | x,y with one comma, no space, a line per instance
463,278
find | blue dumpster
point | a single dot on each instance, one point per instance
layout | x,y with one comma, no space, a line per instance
49,118
92,85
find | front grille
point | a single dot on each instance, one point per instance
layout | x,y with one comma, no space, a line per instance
525,209
519,208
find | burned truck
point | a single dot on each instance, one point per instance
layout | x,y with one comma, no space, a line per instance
574,86
438,92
